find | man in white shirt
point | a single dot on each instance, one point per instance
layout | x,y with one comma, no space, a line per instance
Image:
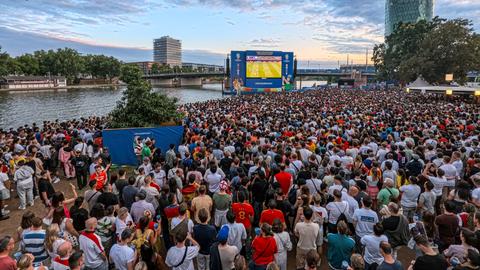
314,184
91,245
180,256
183,149
371,242
364,219
352,203
308,234
449,169
335,209
81,147
121,254
337,185
394,163
382,151
159,175
409,200
438,183
237,235
146,165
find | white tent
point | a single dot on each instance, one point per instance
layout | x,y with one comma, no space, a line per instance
419,82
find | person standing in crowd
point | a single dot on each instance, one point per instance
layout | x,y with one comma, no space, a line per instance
91,245
121,254
226,252
204,234
308,234
389,262
221,203
237,235
337,211
170,156
364,220
396,228
372,242
33,241
23,179
426,201
76,260
129,193
4,195
243,212
448,226
7,244
387,194
202,201
283,244
100,176
140,206
60,262
264,248
180,256
409,199
430,258
80,163
340,246
92,194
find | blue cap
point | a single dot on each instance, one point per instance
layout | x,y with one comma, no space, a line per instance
223,234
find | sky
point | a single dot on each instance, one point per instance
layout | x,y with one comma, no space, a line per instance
320,32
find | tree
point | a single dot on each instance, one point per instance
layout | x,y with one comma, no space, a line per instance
4,58
70,63
28,64
155,68
431,49
139,105
101,66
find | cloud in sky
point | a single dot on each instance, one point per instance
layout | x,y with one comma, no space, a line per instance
321,30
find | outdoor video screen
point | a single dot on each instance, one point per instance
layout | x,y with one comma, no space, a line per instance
264,66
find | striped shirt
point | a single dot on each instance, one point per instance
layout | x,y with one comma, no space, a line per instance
34,242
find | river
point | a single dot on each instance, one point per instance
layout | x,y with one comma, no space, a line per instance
27,107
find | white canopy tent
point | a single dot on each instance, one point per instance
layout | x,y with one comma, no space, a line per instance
420,85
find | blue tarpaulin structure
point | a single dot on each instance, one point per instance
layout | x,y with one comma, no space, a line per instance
121,142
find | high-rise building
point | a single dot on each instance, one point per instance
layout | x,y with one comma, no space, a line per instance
167,50
406,11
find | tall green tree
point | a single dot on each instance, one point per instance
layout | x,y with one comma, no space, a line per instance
431,49
155,68
101,66
28,64
139,105
4,58
70,63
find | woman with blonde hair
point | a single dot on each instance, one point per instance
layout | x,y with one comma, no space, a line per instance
26,263
52,240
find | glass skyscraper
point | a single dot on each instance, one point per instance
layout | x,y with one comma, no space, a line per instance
406,11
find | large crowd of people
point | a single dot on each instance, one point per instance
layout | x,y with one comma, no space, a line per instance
340,179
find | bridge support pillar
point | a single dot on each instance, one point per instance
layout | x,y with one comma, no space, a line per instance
163,82
191,81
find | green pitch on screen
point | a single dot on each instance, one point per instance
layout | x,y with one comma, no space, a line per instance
260,69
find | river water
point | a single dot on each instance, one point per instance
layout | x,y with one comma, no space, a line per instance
27,107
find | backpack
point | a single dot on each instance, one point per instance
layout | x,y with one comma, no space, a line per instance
342,214
292,194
